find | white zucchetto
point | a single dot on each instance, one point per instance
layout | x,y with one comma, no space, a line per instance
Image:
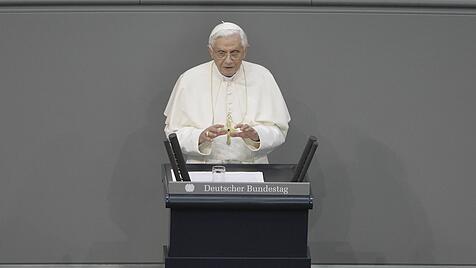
225,26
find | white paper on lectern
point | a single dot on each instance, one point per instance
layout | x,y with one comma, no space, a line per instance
230,176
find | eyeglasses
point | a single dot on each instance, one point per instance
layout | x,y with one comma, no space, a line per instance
234,55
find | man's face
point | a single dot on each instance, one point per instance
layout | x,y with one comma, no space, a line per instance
228,53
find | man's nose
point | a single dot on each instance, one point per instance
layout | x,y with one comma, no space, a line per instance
228,58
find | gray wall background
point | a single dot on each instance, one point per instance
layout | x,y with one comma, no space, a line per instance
389,91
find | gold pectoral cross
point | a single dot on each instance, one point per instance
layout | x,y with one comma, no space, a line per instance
229,128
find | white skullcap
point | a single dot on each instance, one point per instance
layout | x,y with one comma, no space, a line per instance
227,27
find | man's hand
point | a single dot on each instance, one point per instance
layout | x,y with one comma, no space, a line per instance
246,132
211,132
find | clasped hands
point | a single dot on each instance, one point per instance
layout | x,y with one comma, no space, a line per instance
246,132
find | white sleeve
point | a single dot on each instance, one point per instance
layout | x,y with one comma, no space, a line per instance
188,138
270,137
272,120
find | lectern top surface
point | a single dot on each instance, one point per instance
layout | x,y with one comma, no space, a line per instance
271,172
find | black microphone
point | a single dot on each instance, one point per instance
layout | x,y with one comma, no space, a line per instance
302,160
173,161
179,157
308,161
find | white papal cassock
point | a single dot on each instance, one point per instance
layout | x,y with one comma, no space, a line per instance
202,97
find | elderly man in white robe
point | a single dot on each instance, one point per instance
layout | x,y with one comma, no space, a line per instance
227,110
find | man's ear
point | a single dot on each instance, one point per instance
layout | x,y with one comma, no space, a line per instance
244,53
210,51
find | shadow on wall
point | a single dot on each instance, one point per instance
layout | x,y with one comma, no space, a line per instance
368,204
329,220
136,195
389,218
362,198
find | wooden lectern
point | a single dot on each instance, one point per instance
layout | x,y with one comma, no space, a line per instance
228,225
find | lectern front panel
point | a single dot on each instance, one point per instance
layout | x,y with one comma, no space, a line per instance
232,226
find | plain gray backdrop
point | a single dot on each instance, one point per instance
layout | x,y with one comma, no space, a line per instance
389,92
